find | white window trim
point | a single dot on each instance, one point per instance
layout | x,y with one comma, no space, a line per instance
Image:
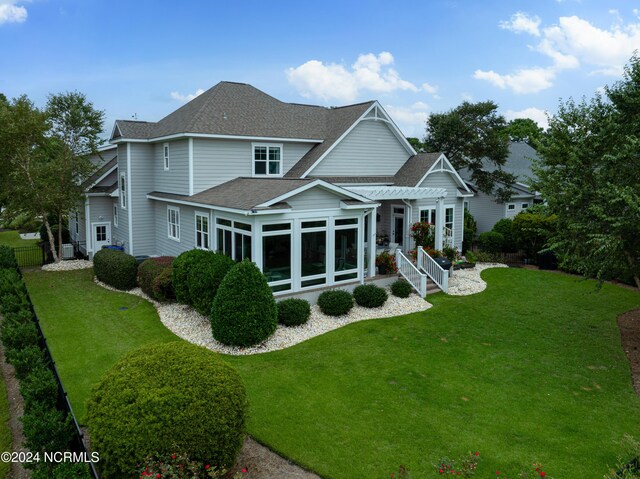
208,232
123,191
524,205
253,159
177,223
115,214
165,154
233,230
510,206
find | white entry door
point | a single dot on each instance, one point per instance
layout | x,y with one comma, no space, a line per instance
101,235
397,224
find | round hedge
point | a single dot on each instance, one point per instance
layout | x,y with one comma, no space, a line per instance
336,302
244,312
370,295
164,399
197,275
116,268
293,311
491,242
401,289
154,278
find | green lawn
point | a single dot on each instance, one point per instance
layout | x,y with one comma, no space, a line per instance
12,238
89,328
530,370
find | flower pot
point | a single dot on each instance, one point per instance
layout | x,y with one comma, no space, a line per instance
382,269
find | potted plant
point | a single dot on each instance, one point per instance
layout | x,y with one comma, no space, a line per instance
382,239
386,263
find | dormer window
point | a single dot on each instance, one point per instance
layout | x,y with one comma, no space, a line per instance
166,156
267,159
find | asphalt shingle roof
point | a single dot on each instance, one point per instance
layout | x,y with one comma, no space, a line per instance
415,168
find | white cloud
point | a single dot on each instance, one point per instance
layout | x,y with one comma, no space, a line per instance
536,114
432,89
569,44
188,97
527,80
315,79
12,13
522,23
411,120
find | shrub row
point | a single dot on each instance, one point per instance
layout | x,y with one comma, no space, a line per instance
173,398
45,427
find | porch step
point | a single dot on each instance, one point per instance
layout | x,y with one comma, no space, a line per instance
432,287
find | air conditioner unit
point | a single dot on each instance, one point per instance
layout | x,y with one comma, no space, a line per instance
67,251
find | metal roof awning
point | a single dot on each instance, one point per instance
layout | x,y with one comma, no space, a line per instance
397,192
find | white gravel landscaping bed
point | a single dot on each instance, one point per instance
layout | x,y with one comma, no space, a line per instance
68,265
191,326
468,281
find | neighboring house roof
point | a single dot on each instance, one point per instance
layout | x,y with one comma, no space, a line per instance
415,168
252,193
344,180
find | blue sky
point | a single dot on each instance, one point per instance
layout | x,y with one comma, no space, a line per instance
146,58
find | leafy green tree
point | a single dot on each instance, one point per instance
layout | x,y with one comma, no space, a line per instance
525,129
590,176
415,143
473,136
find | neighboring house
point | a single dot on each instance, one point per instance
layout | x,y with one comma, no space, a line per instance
303,191
487,210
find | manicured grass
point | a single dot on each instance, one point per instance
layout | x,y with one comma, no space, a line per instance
89,328
12,238
5,432
531,370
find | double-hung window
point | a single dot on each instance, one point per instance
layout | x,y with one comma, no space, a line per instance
202,231
165,150
173,222
115,214
267,159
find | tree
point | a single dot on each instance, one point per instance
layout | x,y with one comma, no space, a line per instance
525,129
416,144
473,136
46,155
590,175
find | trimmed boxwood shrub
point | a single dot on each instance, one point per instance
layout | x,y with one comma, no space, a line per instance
370,295
293,311
197,275
154,278
7,258
163,399
116,268
244,312
401,288
46,429
25,360
39,387
491,242
335,302
18,335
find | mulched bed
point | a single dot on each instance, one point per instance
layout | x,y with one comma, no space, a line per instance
629,324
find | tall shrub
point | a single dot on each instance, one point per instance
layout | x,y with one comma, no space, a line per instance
244,311
167,399
470,228
197,275
505,228
154,278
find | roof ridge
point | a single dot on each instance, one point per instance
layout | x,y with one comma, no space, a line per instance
205,102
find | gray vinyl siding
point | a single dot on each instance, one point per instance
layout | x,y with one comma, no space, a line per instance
487,212
314,199
218,161
176,178
369,149
141,183
121,233
166,246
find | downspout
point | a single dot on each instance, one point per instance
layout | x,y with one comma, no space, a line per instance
88,234
407,227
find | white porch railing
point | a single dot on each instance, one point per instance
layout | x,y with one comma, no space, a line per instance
438,275
447,237
413,275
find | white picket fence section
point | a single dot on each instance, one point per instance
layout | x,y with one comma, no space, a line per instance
447,237
413,275
438,275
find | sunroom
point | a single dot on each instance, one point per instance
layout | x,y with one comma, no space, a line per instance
301,233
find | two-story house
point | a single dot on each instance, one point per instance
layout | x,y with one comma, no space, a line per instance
303,191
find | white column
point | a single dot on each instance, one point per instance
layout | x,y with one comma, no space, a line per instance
439,222
372,243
